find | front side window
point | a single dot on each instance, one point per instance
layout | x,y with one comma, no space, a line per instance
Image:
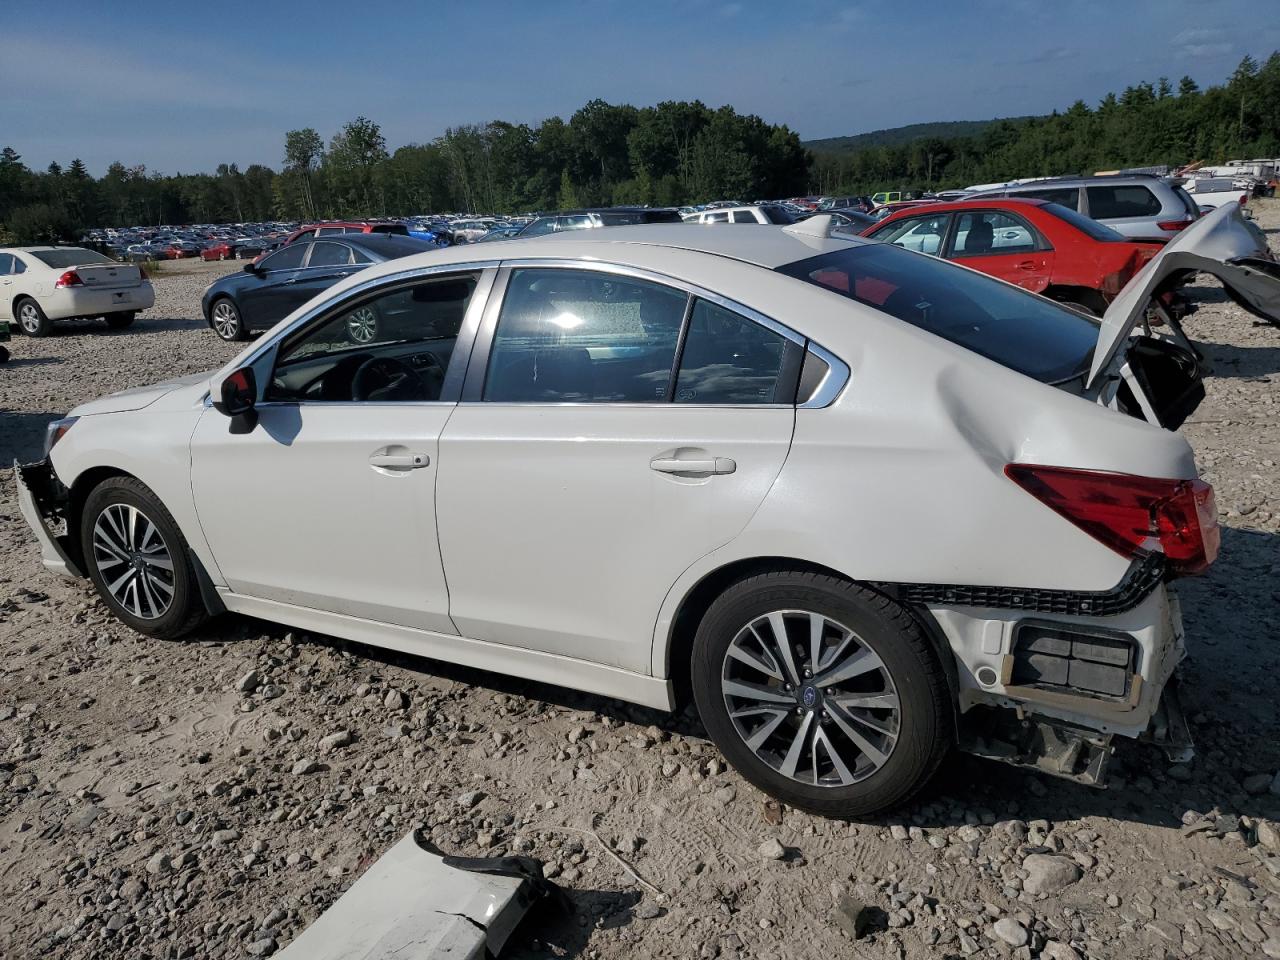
6,264
326,253
1067,196
286,258
729,359
921,234
541,226
576,336
1008,325
987,233
1122,201
391,347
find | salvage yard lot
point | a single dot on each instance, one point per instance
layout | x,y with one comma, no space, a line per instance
210,797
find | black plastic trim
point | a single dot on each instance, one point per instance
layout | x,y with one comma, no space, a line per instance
1141,579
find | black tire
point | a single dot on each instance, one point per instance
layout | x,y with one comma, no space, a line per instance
4,354
185,610
120,321
925,719
226,320
31,319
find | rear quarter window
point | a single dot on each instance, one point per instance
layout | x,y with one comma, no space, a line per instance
1122,201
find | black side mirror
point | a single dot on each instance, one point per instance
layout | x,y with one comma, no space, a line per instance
239,396
253,268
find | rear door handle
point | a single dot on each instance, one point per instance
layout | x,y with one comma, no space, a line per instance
399,461
1027,265
713,465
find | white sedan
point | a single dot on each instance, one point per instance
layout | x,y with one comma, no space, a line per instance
860,504
39,285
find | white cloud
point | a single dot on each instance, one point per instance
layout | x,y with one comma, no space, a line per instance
1203,43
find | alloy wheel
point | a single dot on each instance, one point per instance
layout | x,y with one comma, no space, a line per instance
362,324
29,318
226,320
133,560
810,698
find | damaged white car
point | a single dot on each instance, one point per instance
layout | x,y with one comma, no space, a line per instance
860,504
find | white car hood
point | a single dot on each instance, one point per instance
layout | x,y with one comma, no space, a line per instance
1221,243
136,398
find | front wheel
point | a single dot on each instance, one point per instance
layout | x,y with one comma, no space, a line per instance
823,694
119,321
138,559
227,322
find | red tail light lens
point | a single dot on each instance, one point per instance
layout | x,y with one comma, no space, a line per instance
1174,224
69,279
1131,514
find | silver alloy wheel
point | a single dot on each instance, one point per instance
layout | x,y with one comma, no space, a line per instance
810,698
362,324
29,317
133,560
226,319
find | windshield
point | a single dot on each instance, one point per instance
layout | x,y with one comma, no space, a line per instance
1016,329
1090,228
69,257
776,214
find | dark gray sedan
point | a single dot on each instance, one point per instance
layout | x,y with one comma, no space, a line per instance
271,288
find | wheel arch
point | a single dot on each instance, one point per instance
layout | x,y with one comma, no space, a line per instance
698,599
84,484
1085,296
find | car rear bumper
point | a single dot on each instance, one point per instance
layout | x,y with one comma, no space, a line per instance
41,498
1087,678
67,303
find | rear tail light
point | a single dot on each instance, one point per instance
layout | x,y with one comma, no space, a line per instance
69,279
1244,198
1174,225
1131,515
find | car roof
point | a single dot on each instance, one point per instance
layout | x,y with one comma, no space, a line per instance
983,202
389,245
763,248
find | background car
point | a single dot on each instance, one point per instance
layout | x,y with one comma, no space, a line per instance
767,213
568,220
266,291
39,285
1140,206
1042,246
334,228
849,220
500,233
218,250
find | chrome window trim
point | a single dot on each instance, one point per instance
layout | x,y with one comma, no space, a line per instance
833,382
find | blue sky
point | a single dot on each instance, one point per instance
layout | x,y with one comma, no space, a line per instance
184,86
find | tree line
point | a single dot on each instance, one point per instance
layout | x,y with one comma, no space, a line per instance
1145,125
673,153
604,154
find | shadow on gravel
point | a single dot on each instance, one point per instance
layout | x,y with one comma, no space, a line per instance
1229,360
549,932
29,362
22,435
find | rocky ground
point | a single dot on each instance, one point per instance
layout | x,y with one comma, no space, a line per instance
210,798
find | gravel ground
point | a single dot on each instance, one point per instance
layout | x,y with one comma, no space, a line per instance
211,797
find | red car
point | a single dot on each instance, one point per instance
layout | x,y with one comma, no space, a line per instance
218,251
1046,248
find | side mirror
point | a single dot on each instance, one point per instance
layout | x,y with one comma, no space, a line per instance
253,268
239,394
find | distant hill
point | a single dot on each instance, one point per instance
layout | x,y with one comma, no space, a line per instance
897,136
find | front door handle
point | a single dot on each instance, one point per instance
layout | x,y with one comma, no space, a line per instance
1027,265
399,461
712,465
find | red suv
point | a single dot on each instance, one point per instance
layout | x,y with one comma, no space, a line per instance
332,227
1043,247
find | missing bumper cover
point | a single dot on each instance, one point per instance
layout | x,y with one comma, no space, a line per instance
1061,749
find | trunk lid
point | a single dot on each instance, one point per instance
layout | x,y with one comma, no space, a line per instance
1221,243
109,276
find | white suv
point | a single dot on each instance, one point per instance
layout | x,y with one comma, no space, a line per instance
862,504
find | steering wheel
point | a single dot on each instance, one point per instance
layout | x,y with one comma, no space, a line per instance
386,378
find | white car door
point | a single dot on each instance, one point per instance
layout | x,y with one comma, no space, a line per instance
578,481
327,502
7,289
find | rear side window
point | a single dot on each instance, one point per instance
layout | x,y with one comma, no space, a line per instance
1107,203
730,359
6,264
744,216
1014,328
717,218
1067,196
576,336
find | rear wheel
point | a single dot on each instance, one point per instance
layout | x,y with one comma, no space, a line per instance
31,318
138,559
823,694
119,321
227,322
